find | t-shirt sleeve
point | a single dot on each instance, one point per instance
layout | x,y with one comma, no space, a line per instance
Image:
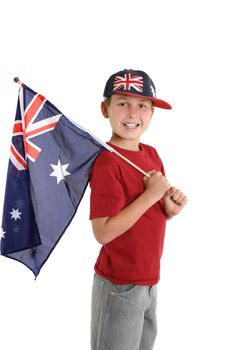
107,194
161,167
156,158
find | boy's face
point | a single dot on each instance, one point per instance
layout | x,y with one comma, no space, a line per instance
129,116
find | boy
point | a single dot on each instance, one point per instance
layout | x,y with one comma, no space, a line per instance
129,213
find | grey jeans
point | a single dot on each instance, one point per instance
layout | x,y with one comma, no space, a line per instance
123,317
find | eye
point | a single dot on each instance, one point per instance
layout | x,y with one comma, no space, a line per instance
143,106
123,104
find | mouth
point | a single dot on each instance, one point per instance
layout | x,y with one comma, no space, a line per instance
131,125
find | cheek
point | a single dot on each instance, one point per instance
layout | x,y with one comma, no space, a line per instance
113,122
146,121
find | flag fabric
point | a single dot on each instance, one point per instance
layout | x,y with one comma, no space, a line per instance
48,172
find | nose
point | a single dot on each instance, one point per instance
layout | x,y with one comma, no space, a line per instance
132,112
131,116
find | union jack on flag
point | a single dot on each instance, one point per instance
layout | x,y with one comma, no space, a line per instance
48,172
26,127
128,81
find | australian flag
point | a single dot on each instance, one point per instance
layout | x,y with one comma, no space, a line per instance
48,172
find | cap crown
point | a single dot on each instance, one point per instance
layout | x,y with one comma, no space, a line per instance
130,81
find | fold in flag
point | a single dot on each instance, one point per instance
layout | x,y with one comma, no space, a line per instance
48,172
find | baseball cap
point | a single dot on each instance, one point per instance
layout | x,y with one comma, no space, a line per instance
133,83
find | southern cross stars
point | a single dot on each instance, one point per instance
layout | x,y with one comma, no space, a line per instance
2,234
59,171
15,214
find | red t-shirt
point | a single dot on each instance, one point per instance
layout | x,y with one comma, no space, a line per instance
134,256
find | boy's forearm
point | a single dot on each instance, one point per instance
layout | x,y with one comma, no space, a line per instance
114,226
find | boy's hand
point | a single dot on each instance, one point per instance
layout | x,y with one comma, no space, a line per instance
156,186
174,201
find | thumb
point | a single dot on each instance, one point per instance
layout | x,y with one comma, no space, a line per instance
150,173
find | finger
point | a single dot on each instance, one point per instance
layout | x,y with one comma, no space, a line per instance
177,194
179,199
171,191
151,172
184,201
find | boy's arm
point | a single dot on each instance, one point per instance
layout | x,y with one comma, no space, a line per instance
108,228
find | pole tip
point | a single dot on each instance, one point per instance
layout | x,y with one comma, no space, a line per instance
16,80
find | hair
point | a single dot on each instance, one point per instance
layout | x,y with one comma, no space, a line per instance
107,100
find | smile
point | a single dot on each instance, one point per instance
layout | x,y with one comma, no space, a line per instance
131,125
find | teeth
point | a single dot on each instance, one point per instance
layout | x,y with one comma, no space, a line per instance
130,125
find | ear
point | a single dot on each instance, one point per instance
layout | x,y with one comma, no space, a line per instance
104,109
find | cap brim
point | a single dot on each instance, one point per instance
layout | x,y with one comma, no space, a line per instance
156,101
161,104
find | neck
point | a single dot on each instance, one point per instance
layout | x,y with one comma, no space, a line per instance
131,145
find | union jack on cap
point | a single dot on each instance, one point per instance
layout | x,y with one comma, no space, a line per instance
133,83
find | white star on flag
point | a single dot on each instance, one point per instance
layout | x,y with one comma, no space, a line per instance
59,171
2,234
15,214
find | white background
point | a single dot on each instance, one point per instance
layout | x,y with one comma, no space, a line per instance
66,50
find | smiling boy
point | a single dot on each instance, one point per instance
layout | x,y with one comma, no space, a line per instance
129,213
